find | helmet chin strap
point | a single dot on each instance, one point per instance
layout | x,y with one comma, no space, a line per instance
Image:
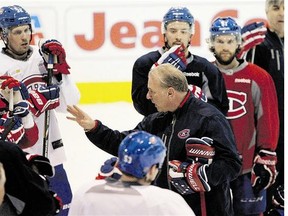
4,36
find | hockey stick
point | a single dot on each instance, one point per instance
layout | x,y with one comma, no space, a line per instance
253,54
203,204
47,112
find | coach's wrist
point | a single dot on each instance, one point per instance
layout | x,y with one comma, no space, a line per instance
93,126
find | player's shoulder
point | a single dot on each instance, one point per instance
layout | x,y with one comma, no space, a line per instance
6,60
35,52
88,185
202,64
149,57
200,59
258,72
162,196
157,191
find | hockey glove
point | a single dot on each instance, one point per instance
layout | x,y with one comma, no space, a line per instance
109,169
57,201
252,35
177,177
20,91
21,109
11,128
264,170
197,178
200,150
54,47
44,98
198,93
175,56
40,164
188,178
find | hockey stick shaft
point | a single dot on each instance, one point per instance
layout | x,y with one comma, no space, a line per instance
253,55
51,61
203,204
11,102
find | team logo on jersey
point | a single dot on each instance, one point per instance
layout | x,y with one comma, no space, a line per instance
184,134
237,101
34,81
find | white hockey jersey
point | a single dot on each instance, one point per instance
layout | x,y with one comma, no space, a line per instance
31,72
104,198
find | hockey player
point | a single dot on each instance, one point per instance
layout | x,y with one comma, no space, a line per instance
178,29
252,114
180,117
140,159
270,56
24,62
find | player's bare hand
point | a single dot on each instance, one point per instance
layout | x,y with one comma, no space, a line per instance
82,118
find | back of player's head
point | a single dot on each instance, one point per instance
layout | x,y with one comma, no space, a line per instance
180,14
13,16
139,151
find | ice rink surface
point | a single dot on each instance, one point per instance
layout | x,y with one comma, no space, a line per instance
83,158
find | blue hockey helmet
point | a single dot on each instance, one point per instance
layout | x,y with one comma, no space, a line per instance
181,14
139,151
225,26
13,16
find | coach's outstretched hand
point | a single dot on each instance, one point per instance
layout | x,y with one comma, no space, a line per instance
82,118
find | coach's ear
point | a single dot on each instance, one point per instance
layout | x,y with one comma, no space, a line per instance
171,92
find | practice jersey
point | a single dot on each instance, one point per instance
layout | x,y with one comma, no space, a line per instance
117,198
253,110
199,72
31,72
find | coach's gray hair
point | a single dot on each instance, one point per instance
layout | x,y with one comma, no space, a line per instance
273,2
170,76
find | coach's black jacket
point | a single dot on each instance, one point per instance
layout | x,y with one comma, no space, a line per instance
194,118
198,72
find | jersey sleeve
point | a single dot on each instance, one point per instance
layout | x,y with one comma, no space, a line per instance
139,91
69,93
266,111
